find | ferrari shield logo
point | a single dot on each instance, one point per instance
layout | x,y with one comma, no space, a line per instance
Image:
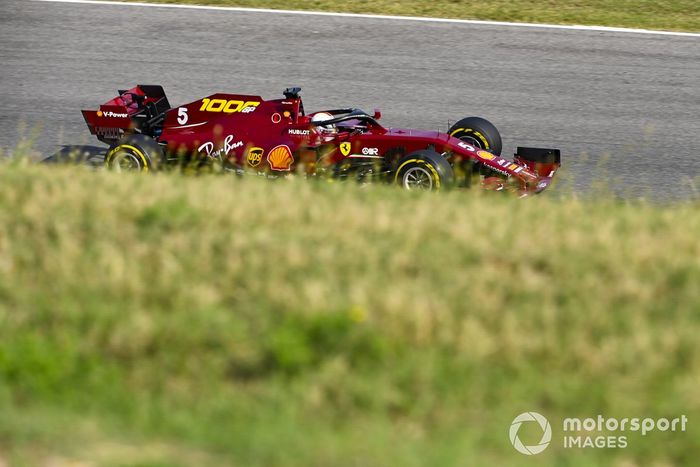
345,148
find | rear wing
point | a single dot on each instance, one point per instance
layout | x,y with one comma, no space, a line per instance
137,109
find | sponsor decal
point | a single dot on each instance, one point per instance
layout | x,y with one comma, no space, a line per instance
486,155
229,145
370,151
228,107
345,148
111,114
293,131
107,132
286,114
280,158
502,162
515,167
276,118
254,156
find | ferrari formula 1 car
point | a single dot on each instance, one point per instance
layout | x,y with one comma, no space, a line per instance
246,134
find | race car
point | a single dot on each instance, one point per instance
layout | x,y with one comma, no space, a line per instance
247,134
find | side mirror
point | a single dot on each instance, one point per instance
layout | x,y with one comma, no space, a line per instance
377,114
292,93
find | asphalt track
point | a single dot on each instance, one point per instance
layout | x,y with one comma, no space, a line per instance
622,104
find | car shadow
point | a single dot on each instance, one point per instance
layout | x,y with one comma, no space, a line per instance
79,155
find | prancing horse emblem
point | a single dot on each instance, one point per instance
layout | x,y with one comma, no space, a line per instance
345,148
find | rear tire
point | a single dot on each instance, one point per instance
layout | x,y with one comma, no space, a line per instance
134,153
424,170
478,132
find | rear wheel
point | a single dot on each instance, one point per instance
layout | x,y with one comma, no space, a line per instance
424,170
479,133
134,153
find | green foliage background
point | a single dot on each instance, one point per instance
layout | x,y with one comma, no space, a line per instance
171,320
676,15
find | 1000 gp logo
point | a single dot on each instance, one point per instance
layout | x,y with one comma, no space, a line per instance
228,107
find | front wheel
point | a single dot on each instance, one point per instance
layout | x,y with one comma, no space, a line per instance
424,170
478,132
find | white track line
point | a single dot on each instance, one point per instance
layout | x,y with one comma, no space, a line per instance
387,17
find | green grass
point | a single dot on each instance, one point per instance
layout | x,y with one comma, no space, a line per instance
679,15
169,320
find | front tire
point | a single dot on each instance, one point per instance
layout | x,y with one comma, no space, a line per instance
134,153
478,132
424,170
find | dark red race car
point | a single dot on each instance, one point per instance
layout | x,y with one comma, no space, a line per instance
247,134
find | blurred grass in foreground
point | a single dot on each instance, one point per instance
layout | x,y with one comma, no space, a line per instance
167,320
678,15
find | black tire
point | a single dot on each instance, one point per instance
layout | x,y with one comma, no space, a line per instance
136,153
478,132
424,170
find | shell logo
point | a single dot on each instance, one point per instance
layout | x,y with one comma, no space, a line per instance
486,155
99,113
280,158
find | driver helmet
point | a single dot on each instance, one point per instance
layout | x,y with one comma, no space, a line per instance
325,130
